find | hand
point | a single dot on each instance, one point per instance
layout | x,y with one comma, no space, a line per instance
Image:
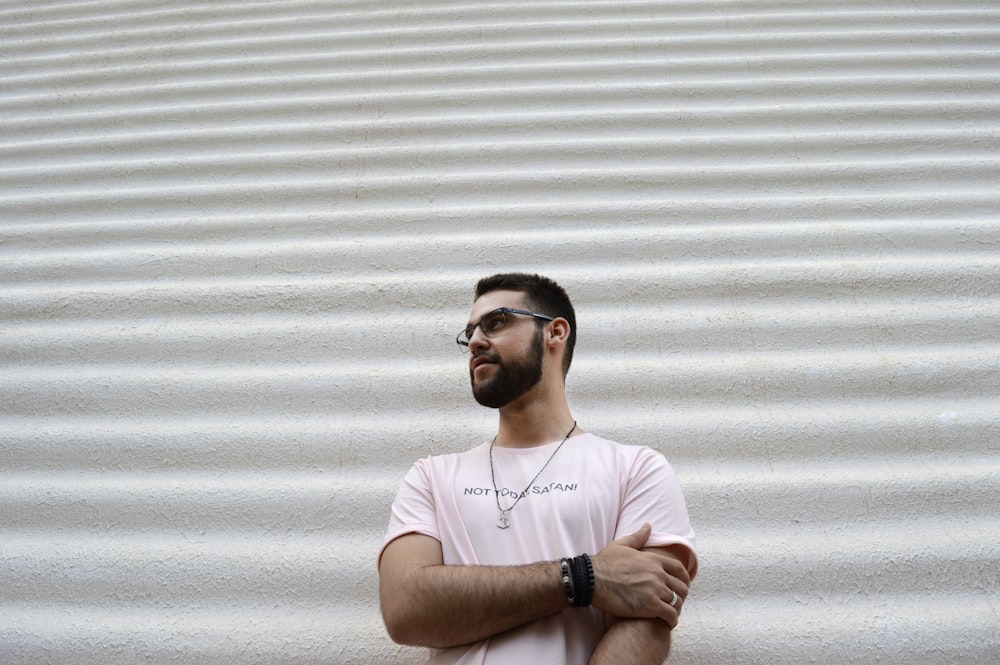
632,583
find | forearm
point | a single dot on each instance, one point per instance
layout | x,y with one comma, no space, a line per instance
445,606
426,603
633,642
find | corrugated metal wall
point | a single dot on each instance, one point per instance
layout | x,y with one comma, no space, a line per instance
237,240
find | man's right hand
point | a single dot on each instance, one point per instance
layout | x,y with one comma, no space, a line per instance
631,582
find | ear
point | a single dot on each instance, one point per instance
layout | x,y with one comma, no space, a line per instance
558,332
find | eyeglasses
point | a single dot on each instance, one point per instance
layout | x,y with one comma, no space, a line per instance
492,323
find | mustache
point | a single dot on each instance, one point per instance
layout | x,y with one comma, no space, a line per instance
491,356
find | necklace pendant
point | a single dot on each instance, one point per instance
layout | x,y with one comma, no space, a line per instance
503,522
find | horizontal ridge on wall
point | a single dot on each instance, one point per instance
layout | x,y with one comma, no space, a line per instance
238,239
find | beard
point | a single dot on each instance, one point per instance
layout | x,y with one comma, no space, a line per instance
512,378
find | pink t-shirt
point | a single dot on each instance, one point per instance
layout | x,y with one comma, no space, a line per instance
592,492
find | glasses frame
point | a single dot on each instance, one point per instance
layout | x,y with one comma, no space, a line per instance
470,330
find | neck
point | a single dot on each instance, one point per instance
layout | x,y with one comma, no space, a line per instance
530,422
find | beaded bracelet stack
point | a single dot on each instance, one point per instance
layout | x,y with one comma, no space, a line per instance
578,580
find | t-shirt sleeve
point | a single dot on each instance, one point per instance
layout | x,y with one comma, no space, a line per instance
413,509
653,494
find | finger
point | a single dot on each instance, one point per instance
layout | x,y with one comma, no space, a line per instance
676,569
638,539
680,589
673,600
669,615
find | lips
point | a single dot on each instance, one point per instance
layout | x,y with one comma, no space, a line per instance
481,360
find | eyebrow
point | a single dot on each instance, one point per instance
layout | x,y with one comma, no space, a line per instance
492,311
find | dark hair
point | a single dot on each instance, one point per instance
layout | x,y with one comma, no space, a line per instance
543,296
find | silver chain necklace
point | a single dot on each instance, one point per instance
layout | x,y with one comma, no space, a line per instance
504,520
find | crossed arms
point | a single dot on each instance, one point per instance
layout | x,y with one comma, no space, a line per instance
426,603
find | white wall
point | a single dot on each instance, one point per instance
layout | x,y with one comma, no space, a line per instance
237,240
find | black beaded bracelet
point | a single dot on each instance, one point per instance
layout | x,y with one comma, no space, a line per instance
589,586
583,580
578,580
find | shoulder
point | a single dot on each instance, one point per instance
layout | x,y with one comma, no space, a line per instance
623,451
452,458
632,462
449,461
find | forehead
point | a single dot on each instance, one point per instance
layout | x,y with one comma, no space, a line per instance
494,299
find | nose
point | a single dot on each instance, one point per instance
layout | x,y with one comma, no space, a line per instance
478,340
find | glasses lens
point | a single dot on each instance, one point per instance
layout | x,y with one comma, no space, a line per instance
492,323
464,337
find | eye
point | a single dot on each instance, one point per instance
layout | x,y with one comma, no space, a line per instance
492,323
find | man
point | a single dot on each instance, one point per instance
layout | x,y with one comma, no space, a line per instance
545,544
